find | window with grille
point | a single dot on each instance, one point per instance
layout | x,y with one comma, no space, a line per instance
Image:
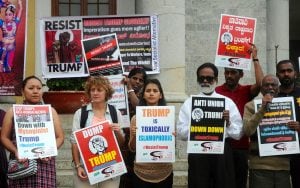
83,7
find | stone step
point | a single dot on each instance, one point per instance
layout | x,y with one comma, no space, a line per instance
64,164
65,179
64,154
64,161
67,143
66,121
180,179
180,165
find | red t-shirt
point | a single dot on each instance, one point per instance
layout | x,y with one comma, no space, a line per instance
240,96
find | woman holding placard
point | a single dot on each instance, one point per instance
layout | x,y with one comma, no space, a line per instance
99,90
46,172
150,174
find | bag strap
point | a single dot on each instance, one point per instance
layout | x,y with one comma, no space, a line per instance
113,113
83,117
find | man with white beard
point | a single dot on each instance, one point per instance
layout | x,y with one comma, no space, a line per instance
211,170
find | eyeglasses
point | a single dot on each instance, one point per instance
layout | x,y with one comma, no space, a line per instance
207,78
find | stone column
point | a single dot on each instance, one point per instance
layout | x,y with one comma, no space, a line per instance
277,32
171,18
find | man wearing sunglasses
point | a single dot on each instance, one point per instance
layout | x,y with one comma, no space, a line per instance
241,94
211,170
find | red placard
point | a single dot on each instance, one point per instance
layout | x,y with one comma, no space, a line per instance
235,34
100,152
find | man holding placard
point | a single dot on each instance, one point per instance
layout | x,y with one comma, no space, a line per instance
241,94
206,168
268,127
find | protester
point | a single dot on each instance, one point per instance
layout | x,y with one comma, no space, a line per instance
3,158
99,91
287,74
134,83
46,174
268,171
241,94
211,170
150,174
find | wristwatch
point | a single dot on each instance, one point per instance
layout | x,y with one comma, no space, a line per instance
78,165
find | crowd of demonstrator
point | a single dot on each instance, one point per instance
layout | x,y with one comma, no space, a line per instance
239,163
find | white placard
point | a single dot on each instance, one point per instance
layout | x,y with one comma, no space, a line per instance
155,141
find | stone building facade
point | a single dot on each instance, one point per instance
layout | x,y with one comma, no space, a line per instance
188,31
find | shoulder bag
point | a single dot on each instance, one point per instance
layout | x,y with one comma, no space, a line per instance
17,170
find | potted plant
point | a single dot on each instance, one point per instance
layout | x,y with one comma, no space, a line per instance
66,95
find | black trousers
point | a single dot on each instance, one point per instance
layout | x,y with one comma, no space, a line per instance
3,167
295,170
240,158
211,170
126,180
167,183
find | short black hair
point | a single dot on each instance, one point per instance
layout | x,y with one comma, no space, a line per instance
207,65
137,70
239,70
286,61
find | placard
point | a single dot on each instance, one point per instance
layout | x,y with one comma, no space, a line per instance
102,55
274,136
137,36
207,126
235,34
35,133
61,49
100,152
119,98
155,142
